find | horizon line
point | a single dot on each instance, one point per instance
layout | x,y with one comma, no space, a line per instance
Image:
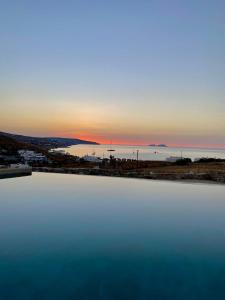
121,144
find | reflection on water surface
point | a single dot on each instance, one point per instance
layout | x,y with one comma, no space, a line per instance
82,237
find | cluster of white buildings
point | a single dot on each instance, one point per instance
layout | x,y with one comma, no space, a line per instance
32,156
91,158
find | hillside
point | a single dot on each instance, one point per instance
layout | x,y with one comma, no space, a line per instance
12,146
47,142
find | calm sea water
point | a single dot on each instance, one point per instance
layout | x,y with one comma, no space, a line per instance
80,237
145,153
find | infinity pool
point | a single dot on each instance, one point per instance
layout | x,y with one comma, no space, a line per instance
83,237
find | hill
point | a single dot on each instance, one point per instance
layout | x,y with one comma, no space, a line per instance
46,142
11,146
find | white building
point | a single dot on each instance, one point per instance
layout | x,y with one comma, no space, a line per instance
32,156
92,158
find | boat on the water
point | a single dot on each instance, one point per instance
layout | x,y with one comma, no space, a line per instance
110,149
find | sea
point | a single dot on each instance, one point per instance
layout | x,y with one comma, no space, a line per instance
102,238
144,152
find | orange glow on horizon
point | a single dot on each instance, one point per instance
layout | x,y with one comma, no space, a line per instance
104,140
134,142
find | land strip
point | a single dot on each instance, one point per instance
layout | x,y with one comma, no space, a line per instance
174,174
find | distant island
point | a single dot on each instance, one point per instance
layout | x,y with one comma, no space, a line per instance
47,142
159,145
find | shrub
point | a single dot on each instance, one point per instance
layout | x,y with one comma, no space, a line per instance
183,162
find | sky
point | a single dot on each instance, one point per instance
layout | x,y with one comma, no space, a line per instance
134,72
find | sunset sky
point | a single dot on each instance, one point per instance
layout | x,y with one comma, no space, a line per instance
134,72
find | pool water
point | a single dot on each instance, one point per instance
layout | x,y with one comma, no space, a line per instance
85,237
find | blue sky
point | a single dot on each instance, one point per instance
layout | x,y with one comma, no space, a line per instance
131,71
